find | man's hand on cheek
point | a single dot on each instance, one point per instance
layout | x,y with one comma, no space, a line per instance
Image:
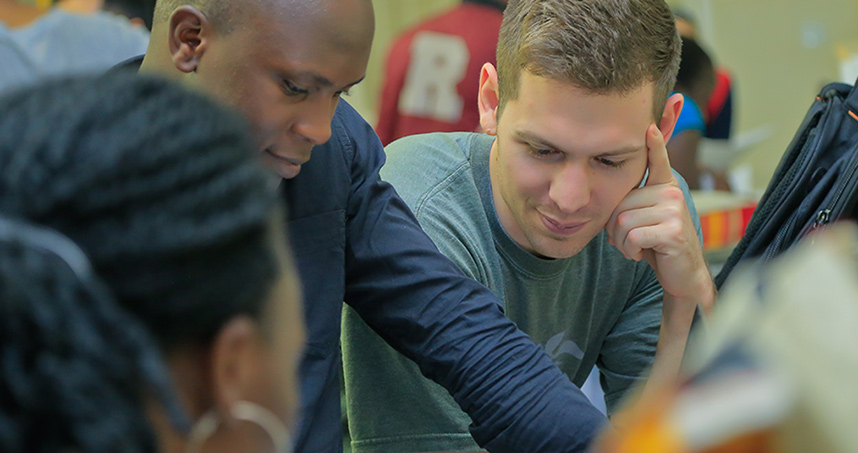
653,223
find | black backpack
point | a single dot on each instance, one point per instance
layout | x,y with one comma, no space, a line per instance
815,182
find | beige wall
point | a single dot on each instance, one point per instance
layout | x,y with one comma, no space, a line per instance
781,52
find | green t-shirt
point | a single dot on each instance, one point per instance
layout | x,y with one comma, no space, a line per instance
595,308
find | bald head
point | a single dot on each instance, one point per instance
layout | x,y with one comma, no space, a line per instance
342,23
227,14
283,63
347,25
222,13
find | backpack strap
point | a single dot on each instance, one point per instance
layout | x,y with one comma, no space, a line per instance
852,100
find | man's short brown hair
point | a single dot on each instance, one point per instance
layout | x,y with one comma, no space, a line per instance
600,46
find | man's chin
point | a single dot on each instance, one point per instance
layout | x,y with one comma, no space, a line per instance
289,173
284,168
549,247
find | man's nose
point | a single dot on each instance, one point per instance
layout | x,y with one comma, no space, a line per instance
314,124
570,187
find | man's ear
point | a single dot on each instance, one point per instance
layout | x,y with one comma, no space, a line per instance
189,30
670,115
488,99
235,363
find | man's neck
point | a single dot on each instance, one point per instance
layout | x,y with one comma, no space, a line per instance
505,217
157,61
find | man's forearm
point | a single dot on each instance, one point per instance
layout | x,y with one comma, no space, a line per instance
676,318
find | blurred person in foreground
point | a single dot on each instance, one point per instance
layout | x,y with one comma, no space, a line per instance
553,209
432,71
64,40
147,297
756,381
285,65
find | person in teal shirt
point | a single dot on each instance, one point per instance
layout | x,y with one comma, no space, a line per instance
551,209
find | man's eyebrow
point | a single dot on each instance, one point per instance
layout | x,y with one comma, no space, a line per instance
534,139
622,151
324,82
355,82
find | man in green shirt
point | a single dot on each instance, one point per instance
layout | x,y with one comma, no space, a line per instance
567,208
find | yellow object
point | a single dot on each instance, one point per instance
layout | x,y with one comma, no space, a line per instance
652,436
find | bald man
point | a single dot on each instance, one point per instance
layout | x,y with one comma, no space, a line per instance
285,65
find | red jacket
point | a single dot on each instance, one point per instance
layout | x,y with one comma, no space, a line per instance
433,72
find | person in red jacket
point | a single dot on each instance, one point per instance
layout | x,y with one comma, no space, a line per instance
432,71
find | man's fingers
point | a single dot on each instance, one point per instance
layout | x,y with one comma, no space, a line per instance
657,160
645,237
621,227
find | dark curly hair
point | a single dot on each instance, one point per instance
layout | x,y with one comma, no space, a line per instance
696,71
162,192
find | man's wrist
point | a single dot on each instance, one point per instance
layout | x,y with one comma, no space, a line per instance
704,297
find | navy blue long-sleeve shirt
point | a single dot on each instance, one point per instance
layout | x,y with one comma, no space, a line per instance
356,241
